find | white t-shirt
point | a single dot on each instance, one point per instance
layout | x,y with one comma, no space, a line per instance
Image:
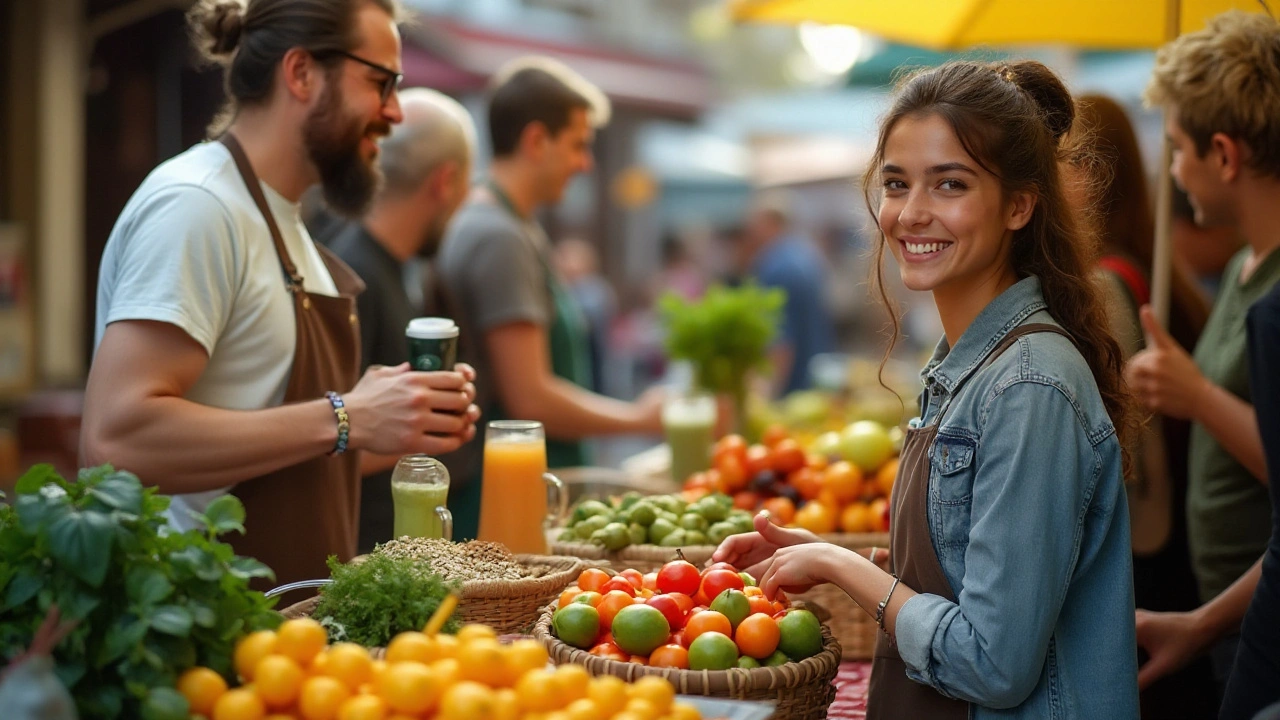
192,249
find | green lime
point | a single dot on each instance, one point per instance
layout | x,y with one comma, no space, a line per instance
747,662
695,537
640,629
642,513
712,651
639,533
577,624
567,536
777,658
613,536
801,634
733,605
721,530
711,510
724,500
585,528
630,499
587,509
165,703
691,521
675,539
660,529
742,523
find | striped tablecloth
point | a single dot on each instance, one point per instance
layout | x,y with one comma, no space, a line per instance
851,692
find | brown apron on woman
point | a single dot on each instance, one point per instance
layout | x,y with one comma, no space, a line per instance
298,516
892,695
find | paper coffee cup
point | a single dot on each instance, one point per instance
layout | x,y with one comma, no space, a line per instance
433,343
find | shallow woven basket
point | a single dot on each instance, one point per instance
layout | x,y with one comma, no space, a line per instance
645,558
850,624
802,691
507,606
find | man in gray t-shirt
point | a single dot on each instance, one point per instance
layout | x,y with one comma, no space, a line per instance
522,329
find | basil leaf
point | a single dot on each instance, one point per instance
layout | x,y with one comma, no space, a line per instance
171,620
147,585
119,493
36,478
226,514
81,541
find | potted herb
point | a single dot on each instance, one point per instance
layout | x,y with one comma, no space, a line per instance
724,336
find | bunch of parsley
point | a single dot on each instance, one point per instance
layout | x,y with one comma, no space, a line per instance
371,601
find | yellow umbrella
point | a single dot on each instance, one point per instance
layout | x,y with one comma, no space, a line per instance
958,24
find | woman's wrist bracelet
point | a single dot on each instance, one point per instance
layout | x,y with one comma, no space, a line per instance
344,423
885,603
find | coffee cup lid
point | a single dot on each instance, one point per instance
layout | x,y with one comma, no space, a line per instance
432,328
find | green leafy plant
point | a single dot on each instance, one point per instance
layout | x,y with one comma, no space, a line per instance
370,601
147,602
725,335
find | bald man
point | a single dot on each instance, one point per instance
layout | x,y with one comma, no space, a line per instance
427,165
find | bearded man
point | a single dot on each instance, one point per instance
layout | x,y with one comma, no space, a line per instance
227,354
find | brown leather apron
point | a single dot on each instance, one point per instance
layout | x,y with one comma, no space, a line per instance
298,516
892,695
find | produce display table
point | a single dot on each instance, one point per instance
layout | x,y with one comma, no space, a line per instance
851,692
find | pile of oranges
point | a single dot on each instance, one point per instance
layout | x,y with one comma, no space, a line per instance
810,490
292,672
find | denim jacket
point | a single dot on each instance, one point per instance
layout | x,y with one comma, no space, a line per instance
1028,517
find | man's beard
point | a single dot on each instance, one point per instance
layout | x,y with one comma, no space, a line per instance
348,181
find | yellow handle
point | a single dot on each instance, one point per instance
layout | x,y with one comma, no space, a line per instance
441,615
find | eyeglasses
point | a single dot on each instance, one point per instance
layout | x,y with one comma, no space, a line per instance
389,84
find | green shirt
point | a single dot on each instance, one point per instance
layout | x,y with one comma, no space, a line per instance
1228,509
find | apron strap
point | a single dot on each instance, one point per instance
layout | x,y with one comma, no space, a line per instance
1006,343
293,279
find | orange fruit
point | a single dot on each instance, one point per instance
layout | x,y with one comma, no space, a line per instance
654,690
844,480
448,671
301,639
856,518
707,621
681,711
609,606
573,681
609,693
349,663
774,434
467,700
483,661
757,636
788,457
886,476
476,631
538,691
413,646
201,687
363,707
672,656
410,687
506,705
592,579
816,517
526,655
239,704
250,651
321,698
278,679
781,510
807,482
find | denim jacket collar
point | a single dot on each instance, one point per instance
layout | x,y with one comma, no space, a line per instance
949,367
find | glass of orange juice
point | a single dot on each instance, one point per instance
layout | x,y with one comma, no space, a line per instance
516,486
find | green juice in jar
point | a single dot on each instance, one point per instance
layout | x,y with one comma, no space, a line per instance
415,509
689,423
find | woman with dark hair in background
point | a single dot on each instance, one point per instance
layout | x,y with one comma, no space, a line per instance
1157,487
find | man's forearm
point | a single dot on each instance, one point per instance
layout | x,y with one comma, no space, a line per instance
1222,615
568,412
182,447
1232,422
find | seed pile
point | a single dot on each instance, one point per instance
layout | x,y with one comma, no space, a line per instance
474,560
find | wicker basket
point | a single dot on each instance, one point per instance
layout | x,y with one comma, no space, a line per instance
850,624
802,691
645,558
507,606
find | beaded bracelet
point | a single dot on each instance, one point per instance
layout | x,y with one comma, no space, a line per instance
344,423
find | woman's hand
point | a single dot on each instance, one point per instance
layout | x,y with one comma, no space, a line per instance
748,549
798,568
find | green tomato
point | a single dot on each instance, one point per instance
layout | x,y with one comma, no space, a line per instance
642,513
711,510
695,537
660,529
692,521
675,539
721,530
638,532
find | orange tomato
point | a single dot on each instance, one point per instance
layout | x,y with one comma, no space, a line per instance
729,445
774,434
733,474
886,476
816,517
684,602
856,518
650,582
844,480
696,481
760,604
610,604
694,495
752,590
567,595
707,621
788,456
635,577
807,482
880,514
757,636
592,579
639,660
746,500
610,651
816,461
759,459
670,656
781,510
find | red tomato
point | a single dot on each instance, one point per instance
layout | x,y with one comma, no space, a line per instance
612,652
717,581
678,638
719,566
618,583
679,576
774,434
650,582
733,474
759,459
634,577
684,601
746,500
729,445
788,457
669,608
